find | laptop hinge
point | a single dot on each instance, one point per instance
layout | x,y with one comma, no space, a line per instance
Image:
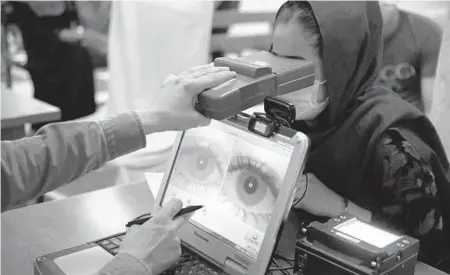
234,268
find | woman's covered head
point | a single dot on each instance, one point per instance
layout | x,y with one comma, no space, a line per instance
297,35
391,16
343,40
296,18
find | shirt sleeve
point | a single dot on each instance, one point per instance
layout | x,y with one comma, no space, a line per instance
124,264
409,199
428,36
62,152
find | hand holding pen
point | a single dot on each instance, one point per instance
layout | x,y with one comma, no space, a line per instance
183,211
155,243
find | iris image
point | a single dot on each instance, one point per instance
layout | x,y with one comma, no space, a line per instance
200,168
249,191
231,179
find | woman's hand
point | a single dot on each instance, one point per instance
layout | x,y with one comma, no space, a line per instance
319,200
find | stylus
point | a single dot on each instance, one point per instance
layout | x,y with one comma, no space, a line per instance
188,209
183,211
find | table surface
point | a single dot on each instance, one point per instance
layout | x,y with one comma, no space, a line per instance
44,228
16,110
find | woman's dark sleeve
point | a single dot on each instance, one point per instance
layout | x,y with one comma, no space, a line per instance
409,201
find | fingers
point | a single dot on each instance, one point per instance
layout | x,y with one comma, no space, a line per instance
170,209
178,223
201,120
169,78
206,71
196,68
301,179
204,121
302,182
132,229
209,81
175,248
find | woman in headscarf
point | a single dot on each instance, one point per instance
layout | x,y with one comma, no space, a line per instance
373,155
59,66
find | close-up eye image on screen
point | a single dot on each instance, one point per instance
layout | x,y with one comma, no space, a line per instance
250,187
236,176
201,164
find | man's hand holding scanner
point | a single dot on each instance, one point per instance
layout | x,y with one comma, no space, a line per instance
155,244
183,89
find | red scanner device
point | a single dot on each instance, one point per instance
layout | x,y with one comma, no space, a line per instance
258,75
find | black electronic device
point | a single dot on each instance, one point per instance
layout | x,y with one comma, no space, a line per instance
277,112
280,110
262,125
346,245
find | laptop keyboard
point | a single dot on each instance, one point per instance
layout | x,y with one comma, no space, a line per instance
189,263
112,244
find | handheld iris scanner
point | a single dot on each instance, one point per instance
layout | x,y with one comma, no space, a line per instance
259,75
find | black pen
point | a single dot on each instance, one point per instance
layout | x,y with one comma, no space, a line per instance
183,211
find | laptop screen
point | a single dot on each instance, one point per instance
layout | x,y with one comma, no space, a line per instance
236,175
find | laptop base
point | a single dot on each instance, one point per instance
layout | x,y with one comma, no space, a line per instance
91,257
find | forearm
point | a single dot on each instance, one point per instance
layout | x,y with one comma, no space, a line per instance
62,152
322,201
359,212
124,264
351,208
96,40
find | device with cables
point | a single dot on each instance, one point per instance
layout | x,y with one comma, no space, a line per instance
346,245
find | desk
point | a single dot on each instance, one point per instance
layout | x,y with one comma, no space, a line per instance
44,228
18,110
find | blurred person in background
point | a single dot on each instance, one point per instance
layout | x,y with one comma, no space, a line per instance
153,38
94,17
139,58
410,55
6,73
59,66
147,41
223,6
